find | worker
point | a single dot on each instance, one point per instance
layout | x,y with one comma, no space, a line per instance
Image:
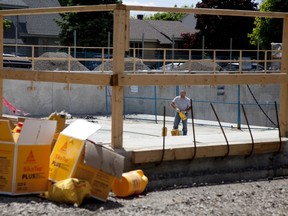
182,105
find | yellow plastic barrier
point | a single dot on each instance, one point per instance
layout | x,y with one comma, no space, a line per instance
70,191
131,183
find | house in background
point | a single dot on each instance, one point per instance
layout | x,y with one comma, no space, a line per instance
154,35
30,29
190,21
42,30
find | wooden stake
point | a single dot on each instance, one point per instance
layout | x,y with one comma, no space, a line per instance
284,87
119,45
1,64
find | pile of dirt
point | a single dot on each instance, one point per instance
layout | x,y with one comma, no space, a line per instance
199,66
129,62
52,64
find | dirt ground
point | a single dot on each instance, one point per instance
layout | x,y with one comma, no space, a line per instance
252,198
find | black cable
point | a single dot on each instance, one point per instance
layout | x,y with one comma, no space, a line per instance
252,139
278,123
193,129
223,132
260,106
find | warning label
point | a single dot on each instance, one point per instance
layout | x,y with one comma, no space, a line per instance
30,158
63,149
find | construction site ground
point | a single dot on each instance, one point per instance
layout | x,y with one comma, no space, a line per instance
244,196
268,197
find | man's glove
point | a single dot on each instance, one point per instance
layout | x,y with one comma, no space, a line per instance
177,109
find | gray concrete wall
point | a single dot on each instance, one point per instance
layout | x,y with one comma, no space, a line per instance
91,100
225,105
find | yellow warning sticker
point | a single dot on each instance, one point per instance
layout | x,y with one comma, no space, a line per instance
6,167
32,168
64,157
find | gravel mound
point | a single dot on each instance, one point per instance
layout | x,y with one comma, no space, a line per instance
139,65
52,64
199,66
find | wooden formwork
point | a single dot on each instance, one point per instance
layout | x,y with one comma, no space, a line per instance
118,79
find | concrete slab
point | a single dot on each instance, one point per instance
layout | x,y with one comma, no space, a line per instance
143,143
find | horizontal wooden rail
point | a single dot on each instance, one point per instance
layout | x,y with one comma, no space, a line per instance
53,10
57,77
93,78
208,11
200,79
111,7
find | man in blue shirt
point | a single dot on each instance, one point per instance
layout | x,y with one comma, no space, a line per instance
182,105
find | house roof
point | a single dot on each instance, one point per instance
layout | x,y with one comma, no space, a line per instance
12,4
156,30
138,27
42,24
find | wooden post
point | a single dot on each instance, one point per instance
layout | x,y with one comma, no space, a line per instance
284,87
1,64
119,45
214,61
240,62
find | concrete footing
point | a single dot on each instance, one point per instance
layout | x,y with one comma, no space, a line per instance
215,170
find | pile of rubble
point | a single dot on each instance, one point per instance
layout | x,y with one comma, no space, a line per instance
57,61
129,65
199,66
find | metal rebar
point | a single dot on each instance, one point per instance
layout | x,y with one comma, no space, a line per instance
278,125
164,136
193,129
223,132
252,139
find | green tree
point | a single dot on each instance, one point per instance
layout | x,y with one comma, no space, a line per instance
63,2
91,27
6,24
219,29
169,16
269,30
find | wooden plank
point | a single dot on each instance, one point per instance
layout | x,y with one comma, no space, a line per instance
119,45
200,79
284,87
110,7
208,11
53,10
1,64
204,151
57,77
